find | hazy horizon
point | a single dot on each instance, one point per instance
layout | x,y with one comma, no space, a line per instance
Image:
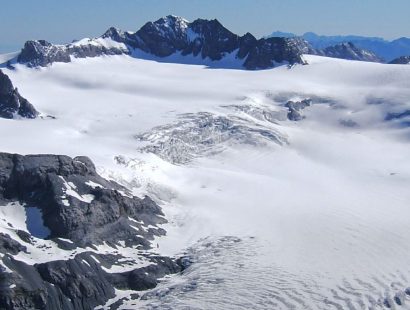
62,22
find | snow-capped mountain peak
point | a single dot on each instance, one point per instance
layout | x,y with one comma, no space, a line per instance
206,40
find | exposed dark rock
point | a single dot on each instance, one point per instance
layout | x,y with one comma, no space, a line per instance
24,236
211,39
403,60
268,53
42,53
349,51
208,39
91,214
77,283
59,185
142,279
11,102
9,245
295,108
84,283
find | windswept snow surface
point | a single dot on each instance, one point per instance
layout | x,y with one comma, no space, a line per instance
274,214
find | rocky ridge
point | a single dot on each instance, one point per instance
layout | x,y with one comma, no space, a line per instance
205,39
202,39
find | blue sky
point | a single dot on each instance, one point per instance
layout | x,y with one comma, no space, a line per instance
62,21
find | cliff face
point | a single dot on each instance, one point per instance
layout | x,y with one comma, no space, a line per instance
12,104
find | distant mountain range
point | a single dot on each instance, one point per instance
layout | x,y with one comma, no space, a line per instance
387,50
207,42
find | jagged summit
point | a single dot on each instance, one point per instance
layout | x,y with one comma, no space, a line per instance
206,40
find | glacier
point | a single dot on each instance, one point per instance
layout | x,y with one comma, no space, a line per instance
271,212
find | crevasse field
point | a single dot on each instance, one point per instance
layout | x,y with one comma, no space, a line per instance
275,214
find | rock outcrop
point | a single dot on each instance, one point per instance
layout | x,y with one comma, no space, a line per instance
81,211
42,53
12,104
295,108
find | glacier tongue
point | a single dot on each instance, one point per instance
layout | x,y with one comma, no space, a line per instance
205,134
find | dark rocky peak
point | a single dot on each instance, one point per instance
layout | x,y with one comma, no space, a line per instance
171,34
11,102
248,38
171,25
162,37
267,53
403,60
42,53
349,51
210,27
114,34
212,39
301,45
246,43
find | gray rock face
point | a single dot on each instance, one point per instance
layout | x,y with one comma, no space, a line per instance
349,51
76,204
295,108
42,53
207,38
11,102
71,208
266,53
403,60
78,283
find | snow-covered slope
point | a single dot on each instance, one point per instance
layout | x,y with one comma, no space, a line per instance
274,213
